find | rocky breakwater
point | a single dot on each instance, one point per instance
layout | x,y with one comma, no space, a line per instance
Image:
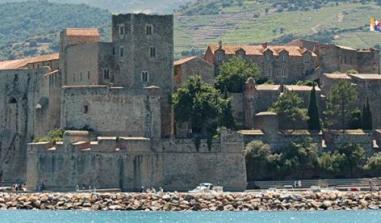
192,202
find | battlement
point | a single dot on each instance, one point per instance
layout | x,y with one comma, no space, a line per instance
80,141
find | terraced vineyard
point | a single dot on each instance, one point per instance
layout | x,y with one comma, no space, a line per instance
256,22
31,28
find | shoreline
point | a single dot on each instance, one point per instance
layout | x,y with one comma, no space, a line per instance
245,201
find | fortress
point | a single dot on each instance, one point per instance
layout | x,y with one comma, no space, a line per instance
117,93
113,101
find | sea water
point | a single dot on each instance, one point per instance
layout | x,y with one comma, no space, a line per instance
189,217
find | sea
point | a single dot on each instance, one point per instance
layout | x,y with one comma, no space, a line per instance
189,217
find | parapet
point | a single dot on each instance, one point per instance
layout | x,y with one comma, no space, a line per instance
267,122
71,137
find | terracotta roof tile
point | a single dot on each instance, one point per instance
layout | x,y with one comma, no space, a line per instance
267,87
367,76
184,60
253,50
21,63
300,88
82,32
337,76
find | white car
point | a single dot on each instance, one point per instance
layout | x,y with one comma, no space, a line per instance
206,188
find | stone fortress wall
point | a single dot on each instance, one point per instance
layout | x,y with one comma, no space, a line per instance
116,95
129,163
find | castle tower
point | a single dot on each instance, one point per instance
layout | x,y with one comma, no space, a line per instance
72,37
143,56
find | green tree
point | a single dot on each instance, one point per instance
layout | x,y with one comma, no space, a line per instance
332,163
257,156
367,117
290,106
234,73
300,158
313,112
226,119
201,105
355,157
341,103
373,165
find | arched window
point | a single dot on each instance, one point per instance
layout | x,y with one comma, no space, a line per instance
12,100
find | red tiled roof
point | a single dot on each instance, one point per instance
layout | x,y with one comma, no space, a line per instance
82,32
20,63
184,60
259,49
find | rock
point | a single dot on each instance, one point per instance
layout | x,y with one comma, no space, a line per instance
326,204
188,197
166,197
228,207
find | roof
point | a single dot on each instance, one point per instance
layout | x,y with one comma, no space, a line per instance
303,43
300,88
184,60
266,113
367,76
252,132
21,63
346,48
267,87
296,132
337,76
295,51
82,32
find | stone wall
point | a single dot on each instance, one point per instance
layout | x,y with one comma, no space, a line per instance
82,64
111,111
137,44
195,66
129,163
23,115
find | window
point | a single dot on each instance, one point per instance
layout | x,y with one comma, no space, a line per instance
152,52
121,51
122,31
284,58
219,58
145,76
149,30
268,57
113,51
106,73
306,59
283,72
85,109
80,76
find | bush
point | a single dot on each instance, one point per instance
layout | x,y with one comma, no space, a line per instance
234,73
53,136
373,165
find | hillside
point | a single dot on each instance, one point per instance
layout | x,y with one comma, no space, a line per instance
31,28
123,6
247,21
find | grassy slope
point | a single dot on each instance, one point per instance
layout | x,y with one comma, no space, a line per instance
37,24
123,5
196,25
345,24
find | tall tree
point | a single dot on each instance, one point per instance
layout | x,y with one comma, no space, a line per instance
234,73
201,105
341,104
367,123
290,106
313,112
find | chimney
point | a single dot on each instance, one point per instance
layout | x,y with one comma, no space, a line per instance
264,45
220,44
